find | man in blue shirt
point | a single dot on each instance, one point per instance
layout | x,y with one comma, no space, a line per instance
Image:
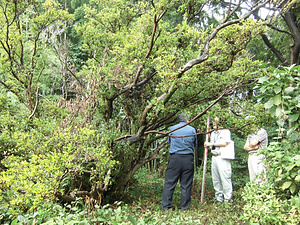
182,141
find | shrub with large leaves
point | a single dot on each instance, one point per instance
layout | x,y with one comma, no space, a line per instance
279,90
283,160
264,207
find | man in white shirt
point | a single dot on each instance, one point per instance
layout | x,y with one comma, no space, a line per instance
221,168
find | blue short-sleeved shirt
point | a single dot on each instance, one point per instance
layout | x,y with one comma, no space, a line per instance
182,145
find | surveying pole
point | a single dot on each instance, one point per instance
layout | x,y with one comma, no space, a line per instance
205,162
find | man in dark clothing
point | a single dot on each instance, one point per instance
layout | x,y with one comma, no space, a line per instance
181,164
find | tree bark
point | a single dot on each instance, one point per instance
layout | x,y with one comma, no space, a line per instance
291,20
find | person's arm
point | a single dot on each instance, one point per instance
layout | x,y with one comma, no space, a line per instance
210,145
253,145
220,142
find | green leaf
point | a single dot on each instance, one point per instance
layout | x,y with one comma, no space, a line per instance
297,178
277,99
291,167
263,89
288,90
269,103
278,111
286,185
132,219
290,131
263,79
281,71
286,97
14,222
293,117
293,67
263,65
297,159
293,188
273,82
277,89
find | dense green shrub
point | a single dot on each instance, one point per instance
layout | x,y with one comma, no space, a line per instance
50,162
283,160
277,201
264,207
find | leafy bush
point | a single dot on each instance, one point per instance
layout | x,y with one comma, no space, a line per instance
240,174
278,199
50,162
279,91
264,207
283,161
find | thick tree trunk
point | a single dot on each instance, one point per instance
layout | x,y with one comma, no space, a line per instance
291,20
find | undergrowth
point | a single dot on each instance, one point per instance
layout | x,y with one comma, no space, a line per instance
142,206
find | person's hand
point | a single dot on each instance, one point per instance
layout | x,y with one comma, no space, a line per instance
254,147
207,144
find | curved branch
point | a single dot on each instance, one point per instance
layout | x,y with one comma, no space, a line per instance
279,30
140,69
290,20
201,58
36,103
142,131
225,23
204,54
152,41
16,93
226,92
274,50
140,163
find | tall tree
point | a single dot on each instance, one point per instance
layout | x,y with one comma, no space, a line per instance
23,44
145,65
282,39
145,71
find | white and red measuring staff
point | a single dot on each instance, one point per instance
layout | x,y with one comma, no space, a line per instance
205,162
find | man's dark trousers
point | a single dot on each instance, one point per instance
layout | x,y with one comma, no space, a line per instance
179,167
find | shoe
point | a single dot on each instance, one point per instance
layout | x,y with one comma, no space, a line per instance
166,209
183,209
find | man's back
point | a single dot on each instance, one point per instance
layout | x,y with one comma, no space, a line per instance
180,144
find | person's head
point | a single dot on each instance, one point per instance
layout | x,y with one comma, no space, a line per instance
216,123
251,120
182,117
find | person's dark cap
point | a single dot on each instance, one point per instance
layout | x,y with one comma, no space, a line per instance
182,117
